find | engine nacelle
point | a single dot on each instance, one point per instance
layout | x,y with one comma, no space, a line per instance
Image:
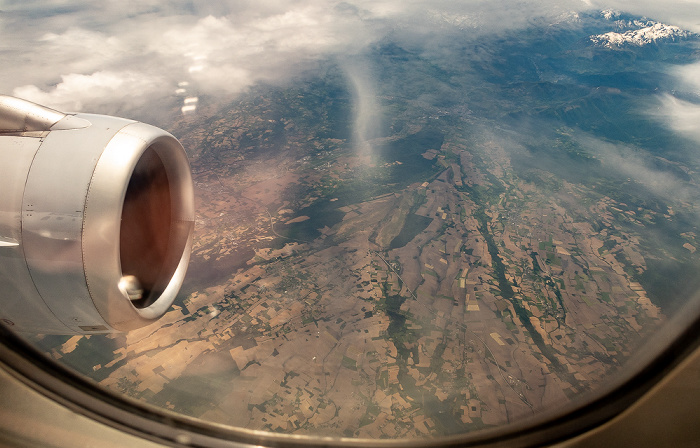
96,221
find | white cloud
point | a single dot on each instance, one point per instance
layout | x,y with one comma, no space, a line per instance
81,49
268,41
681,116
106,90
689,77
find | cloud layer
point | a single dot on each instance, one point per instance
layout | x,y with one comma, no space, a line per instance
78,55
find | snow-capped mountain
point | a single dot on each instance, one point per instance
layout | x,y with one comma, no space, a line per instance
650,32
610,14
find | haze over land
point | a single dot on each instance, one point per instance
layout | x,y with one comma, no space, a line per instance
409,223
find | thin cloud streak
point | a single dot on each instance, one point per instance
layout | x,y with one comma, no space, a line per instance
628,162
366,110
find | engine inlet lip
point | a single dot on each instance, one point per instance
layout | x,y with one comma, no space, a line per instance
103,214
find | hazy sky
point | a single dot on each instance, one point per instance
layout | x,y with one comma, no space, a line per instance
103,56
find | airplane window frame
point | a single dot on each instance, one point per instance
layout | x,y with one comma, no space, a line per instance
670,345
661,351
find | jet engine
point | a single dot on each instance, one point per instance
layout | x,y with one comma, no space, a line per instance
96,221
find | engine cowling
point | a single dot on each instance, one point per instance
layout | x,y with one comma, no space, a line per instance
96,220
